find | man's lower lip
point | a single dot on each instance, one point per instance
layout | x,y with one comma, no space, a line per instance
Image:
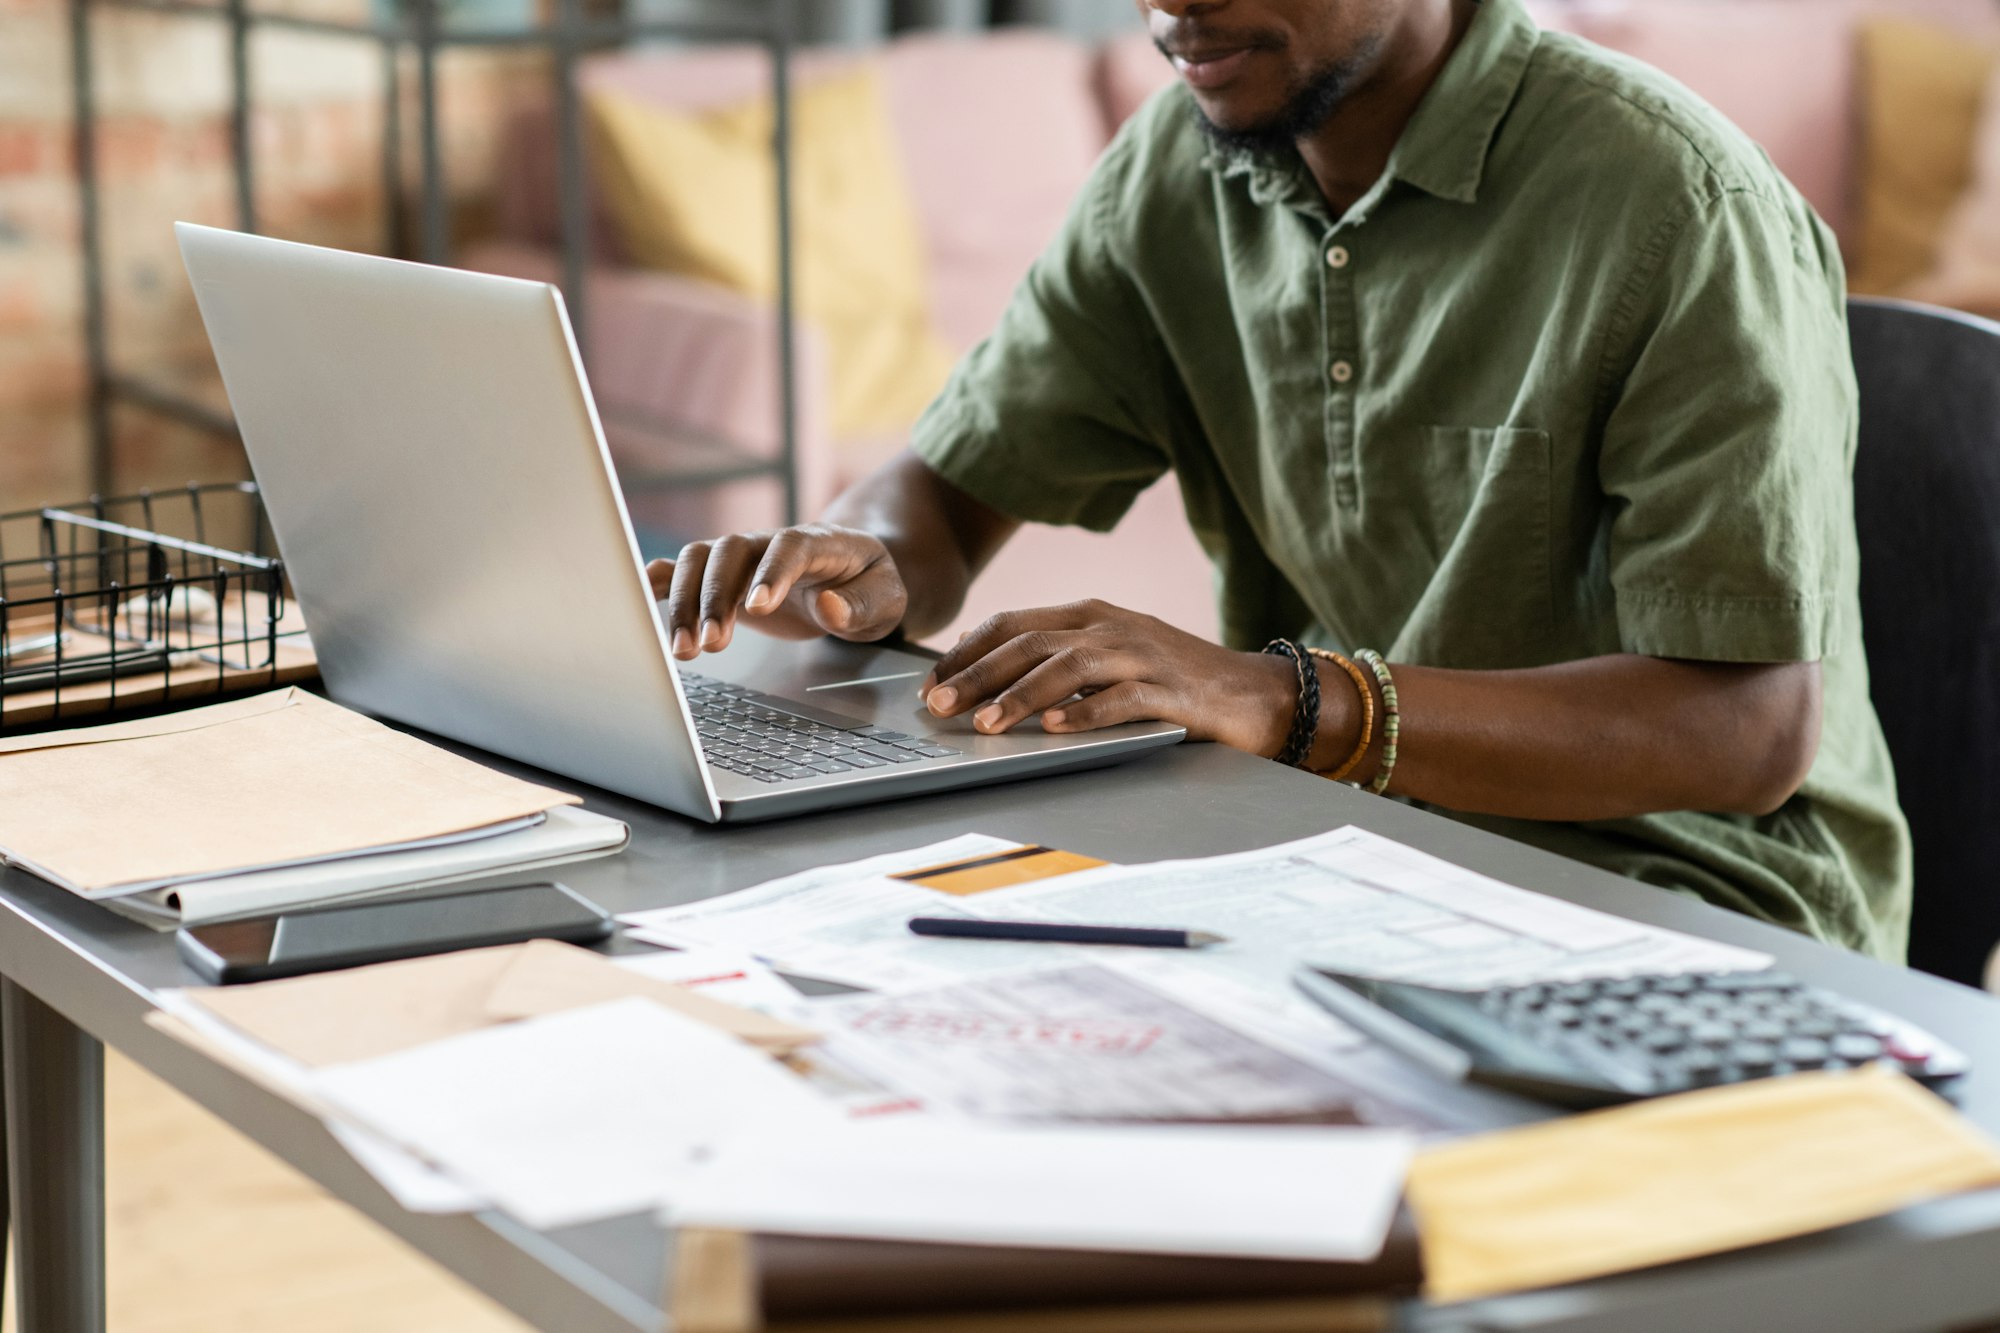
1212,73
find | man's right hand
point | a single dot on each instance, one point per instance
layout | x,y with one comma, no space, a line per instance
795,583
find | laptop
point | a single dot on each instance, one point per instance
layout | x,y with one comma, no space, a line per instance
437,479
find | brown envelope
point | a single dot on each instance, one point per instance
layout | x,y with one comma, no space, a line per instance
281,777
545,977
1684,1176
364,1012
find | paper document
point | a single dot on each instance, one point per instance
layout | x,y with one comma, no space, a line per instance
1684,1176
546,977
1355,901
415,1185
1081,1042
729,975
581,1115
1266,1192
719,920
565,835
281,779
849,923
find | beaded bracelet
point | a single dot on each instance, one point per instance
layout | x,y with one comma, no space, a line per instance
1305,718
1367,711
1392,718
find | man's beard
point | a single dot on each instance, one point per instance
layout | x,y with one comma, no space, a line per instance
1303,113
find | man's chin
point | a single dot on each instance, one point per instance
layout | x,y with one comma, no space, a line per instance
1249,119
1239,115
1228,126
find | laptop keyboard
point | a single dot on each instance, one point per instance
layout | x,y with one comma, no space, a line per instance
744,732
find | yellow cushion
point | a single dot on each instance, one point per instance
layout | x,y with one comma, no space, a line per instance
1922,91
694,193
1967,274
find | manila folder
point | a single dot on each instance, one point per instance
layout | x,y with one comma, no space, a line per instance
283,778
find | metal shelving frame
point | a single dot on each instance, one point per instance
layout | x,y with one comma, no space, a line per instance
423,33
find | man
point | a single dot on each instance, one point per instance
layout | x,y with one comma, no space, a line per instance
1468,343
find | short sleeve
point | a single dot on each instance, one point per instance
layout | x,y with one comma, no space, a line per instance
1727,457
1054,418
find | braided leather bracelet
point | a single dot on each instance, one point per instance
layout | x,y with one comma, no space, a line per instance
1305,718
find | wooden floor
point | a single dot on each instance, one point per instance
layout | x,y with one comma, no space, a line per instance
210,1234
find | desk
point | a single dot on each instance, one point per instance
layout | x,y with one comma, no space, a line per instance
76,976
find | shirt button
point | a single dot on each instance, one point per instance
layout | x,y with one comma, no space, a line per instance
1338,257
1342,372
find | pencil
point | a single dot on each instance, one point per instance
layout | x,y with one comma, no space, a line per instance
1151,937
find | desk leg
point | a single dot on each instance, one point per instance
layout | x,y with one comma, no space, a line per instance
55,1150
5,1203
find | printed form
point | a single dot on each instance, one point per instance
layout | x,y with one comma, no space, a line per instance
1357,902
1351,901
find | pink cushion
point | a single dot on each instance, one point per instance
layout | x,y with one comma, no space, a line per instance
998,132
1130,69
1782,70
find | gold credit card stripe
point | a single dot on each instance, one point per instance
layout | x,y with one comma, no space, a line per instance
980,873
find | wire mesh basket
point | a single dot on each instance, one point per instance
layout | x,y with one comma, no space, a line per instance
130,602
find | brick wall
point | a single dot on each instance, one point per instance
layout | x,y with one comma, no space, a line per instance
163,153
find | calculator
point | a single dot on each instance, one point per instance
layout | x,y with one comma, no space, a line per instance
1619,1039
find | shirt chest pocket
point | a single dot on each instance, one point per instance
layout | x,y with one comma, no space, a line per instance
1480,517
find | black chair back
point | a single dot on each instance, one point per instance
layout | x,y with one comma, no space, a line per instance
1927,503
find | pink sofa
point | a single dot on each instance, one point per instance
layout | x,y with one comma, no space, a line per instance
998,132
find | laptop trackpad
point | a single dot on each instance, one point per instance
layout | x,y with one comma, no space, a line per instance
869,684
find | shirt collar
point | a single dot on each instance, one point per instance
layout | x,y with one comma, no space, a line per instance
1443,149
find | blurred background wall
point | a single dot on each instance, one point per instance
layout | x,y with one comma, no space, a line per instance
164,155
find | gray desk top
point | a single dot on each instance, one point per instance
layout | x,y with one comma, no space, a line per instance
1929,1266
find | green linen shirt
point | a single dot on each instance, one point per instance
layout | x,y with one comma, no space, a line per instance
1572,379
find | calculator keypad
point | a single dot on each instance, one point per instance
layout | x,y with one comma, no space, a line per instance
1695,1031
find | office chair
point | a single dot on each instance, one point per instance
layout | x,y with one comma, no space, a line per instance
1927,504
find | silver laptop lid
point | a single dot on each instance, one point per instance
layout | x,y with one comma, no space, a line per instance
441,493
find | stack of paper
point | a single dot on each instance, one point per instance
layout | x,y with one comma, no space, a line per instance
580,1115
261,804
280,1033
1275,1193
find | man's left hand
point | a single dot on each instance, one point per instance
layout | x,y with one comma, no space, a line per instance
1127,667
